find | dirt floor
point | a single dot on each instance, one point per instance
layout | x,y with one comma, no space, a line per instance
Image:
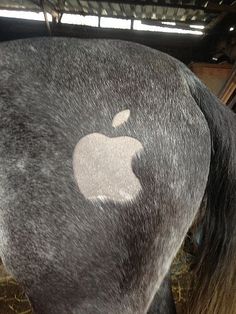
13,299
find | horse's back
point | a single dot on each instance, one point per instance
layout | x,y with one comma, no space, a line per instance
105,253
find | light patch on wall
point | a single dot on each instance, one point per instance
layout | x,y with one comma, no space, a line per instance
197,26
26,15
142,27
110,22
77,19
169,23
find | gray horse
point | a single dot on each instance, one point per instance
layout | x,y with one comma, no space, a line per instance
108,149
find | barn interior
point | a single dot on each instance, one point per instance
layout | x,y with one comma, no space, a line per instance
200,33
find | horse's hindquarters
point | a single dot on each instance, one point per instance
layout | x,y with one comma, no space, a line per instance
80,247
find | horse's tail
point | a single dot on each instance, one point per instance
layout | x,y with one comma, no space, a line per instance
214,289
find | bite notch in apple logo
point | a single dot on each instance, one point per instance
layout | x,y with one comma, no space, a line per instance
103,166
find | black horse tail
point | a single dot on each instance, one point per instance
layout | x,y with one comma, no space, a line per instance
214,288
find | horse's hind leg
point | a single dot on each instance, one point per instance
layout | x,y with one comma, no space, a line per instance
163,302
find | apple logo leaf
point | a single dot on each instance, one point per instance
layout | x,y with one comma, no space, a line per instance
120,118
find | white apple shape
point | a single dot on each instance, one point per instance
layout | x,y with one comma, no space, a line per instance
120,118
103,167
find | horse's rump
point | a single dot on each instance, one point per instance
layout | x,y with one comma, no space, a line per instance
73,254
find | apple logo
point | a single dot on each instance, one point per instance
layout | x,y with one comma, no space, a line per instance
103,166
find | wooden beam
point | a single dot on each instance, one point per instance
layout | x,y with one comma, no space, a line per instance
229,87
42,4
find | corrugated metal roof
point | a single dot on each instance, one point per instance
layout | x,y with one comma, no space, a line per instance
179,11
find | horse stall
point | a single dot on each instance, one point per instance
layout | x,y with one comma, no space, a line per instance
199,275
